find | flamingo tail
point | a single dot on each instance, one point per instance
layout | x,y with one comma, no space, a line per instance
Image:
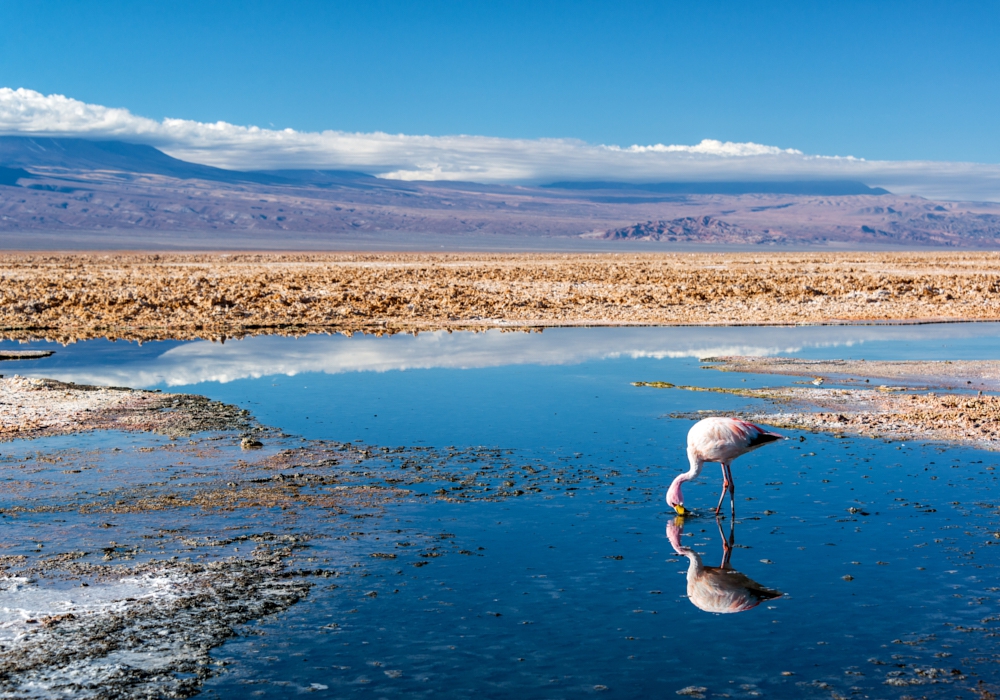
762,437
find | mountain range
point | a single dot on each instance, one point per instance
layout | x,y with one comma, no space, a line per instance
62,192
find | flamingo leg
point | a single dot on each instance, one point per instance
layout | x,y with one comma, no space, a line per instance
725,487
732,490
732,534
727,545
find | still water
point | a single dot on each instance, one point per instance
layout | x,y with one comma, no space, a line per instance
884,553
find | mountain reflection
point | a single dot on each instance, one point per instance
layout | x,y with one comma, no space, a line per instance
718,589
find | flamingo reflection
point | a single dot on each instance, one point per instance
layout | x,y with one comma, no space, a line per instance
718,589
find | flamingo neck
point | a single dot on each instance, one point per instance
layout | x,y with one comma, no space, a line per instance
674,495
674,533
694,567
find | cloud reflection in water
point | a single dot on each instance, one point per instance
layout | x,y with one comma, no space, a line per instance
207,361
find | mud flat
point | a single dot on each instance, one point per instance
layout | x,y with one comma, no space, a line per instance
25,354
127,560
187,542
76,296
32,408
950,374
86,623
144,631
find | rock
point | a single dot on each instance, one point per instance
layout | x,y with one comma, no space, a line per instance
249,443
690,228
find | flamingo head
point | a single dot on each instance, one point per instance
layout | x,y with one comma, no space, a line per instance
674,531
675,499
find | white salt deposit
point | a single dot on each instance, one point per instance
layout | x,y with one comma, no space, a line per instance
26,604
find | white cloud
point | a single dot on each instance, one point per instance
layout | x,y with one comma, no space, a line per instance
480,158
712,147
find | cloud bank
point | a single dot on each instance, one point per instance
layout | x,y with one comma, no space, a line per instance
480,158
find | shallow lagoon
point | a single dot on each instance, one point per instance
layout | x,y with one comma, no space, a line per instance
575,588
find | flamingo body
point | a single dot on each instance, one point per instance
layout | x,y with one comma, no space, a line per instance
719,589
719,440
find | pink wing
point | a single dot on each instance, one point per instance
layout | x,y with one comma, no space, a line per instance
754,435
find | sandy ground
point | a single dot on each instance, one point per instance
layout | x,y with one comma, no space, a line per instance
77,296
952,418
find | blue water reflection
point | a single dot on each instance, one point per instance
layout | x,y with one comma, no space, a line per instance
178,363
884,552
718,589
568,593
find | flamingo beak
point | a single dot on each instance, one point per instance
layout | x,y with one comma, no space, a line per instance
680,509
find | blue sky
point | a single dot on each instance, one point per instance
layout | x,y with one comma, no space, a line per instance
879,80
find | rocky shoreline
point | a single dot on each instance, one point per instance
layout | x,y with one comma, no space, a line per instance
31,408
943,374
841,399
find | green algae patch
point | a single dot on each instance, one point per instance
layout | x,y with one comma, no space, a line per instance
772,394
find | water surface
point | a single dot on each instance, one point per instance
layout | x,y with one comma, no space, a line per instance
884,552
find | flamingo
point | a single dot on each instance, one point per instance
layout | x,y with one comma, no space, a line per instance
718,589
718,440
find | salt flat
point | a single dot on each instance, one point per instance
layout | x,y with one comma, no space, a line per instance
147,296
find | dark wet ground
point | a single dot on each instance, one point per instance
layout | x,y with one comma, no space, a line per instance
517,520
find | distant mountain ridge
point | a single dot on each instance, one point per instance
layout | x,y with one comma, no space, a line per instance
817,188
26,152
83,154
121,193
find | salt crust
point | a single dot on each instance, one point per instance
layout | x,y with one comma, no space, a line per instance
67,297
23,600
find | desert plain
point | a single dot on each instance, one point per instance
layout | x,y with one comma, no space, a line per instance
149,296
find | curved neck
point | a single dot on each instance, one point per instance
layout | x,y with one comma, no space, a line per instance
674,533
696,464
674,493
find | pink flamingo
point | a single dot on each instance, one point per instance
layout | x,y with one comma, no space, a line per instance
718,589
718,440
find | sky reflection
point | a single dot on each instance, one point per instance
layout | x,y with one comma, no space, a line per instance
181,364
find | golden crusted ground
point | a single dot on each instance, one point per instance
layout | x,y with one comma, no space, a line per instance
146,296
953,418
